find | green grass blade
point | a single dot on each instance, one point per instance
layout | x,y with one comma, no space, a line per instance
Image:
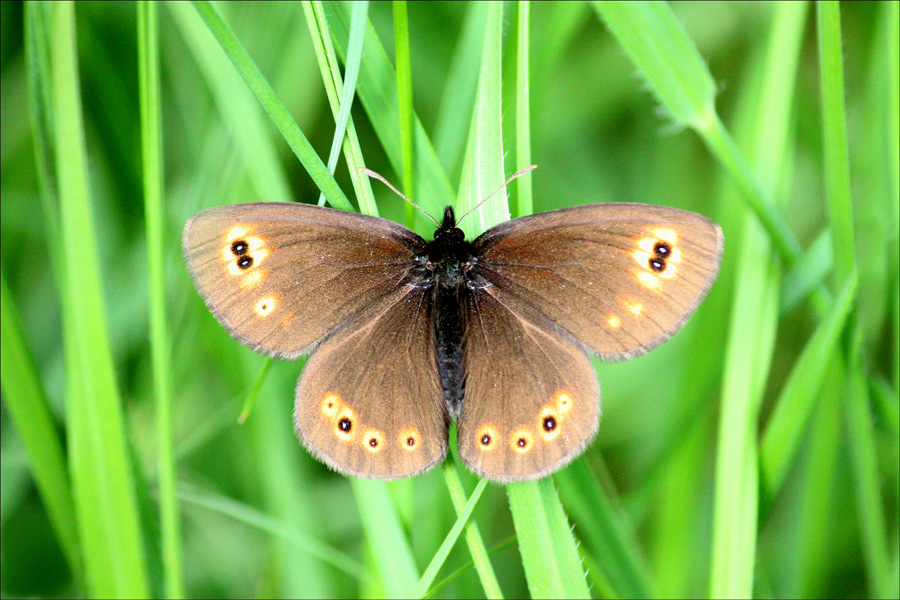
549,555
102,478
451,127
331,76
157,235
273,106
867,485
384,533
605,531
474,541
24,397
797,400
404,100
440,556
275,527
483,164
354,55
892,106
523,111
837,160
677,75
377,90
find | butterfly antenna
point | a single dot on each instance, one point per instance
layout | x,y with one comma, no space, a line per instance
509,180
372,173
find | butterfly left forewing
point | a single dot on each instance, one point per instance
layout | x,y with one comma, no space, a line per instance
369,402
532,401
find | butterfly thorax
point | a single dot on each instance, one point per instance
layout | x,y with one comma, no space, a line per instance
447,262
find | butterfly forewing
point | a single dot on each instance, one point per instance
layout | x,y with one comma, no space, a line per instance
369,402
621,278
532,401
281,276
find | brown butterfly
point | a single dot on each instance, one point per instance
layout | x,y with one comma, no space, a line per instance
407,335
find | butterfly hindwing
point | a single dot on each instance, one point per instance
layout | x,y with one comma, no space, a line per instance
381,418
532,401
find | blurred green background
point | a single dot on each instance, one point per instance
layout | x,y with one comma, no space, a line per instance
253,504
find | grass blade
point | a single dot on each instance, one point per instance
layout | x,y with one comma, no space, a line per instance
798,397
151,142
102,478
404,100
276,110
523,111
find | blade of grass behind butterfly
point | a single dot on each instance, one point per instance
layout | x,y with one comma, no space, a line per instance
657,43
24,396
892,107
264,93
386,538
377,90
354,55
455,109
440,556
151,155
106,507
331,76
523,110
404,101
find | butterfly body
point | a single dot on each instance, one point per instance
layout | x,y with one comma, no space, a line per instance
408,335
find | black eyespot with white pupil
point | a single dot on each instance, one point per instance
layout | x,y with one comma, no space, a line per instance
486,439
549,424
239,247
657,264
410,441
373,442
245,262
662,250
521,442
345,424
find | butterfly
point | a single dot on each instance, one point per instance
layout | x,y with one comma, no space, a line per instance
407,335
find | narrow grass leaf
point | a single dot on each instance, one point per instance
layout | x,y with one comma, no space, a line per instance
331,77
102,478
377,90
834,128
523,110
441,555
275,527
157,236
273,106
605,531
451,127
404,100
384,534
552,565
474,541
354,55
808,273
483,165
870,510
24,397
797,399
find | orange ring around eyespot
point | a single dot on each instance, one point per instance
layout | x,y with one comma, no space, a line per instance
408,434
373,440
345,423
522,440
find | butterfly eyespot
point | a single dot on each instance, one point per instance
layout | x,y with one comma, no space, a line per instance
330,405
265,306
661,249
487,437
244,262
239,247
563,401
373,440
521,440
345,421
657,264
409,438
